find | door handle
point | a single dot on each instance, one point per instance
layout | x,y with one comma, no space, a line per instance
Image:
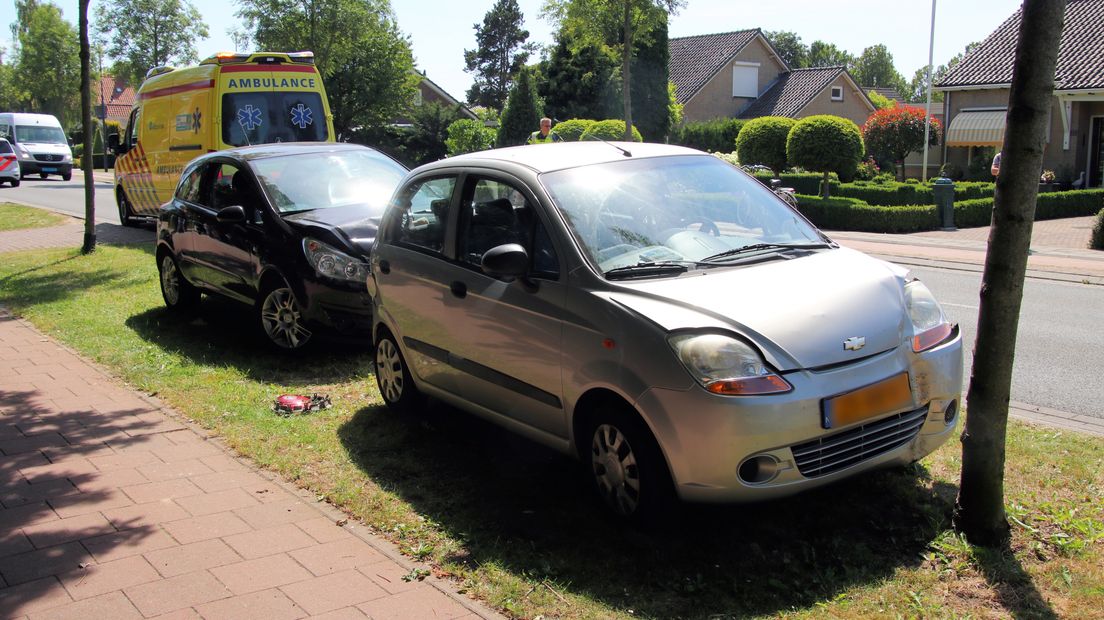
385,266
459,289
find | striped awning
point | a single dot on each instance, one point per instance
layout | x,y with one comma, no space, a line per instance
977,129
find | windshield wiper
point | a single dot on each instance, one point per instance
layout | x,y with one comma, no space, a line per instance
755,247
644,270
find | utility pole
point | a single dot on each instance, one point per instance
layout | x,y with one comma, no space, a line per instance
927,108
103,109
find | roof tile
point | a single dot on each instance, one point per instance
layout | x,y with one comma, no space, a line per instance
696,59
792,92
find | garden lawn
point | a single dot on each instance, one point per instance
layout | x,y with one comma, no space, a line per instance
17,217
513,523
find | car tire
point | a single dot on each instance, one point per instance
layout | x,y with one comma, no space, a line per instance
281,318
178,293
42,175
393,378
15,182
627,468
126,216
67,176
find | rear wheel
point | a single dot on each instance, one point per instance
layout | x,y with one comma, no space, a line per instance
67,176
393,376
126,216
15,182
282,320
178,293
627,467
42,175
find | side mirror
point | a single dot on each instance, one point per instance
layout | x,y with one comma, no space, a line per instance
231,215
505,261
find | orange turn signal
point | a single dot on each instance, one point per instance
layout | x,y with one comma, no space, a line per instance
929,338
749,386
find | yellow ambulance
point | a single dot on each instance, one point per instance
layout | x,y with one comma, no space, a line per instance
227,100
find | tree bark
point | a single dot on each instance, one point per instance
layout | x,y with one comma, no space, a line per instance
979,510
89,244
824,188
626,57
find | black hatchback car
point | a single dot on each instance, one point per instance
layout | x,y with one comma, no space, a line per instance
286,228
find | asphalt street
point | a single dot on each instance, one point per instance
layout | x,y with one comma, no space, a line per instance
63,196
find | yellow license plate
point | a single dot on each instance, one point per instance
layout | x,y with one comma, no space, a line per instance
867,402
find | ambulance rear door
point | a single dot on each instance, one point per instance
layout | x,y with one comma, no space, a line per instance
269,103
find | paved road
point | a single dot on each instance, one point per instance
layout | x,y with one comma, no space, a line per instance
63,196
1059,347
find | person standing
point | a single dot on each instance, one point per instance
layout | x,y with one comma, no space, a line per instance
545,135
995,168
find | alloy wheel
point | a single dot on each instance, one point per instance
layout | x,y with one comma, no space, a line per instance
170,281
616,471
389,370
282,320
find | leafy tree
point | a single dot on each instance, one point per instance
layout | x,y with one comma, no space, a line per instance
500,53
47,60
579,80
979,509
11,93
879,100
467,136
827,144
823,54
522,114
674,108
789,47
610,129
875,68
375,82
649,85
763,141
359,51
899,131
616,23
144,34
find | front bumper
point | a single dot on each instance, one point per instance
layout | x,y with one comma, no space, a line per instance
343,312
707,438
30,166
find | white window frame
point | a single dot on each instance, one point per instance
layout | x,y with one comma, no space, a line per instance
836,97
740,84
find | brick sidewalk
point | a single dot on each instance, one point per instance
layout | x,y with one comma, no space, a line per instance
112,508
71,235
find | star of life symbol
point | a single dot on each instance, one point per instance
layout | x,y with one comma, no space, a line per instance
249,117
301,116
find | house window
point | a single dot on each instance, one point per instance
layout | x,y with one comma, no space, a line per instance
745,79
837,93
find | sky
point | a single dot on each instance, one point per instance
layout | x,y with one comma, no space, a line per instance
440,30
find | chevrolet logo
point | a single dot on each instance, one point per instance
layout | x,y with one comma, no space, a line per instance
854,343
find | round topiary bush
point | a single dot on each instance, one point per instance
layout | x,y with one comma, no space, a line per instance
610,129
826,144
1097,242
572,129
763,141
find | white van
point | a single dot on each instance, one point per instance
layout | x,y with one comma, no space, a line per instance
40,143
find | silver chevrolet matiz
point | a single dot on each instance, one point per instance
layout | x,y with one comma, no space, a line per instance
661,315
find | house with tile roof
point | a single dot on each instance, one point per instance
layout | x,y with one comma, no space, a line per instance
119,97
741,75
976,91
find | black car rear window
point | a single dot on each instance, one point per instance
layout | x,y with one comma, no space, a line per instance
5,147
267,117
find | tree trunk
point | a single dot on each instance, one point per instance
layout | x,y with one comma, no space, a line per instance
626,56
824,188
979,510
89,244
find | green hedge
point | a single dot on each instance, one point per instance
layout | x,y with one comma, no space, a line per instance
899,194
1049,206
840,213
718,134
1097,241
611,130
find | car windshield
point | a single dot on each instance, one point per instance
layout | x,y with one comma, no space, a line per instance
40,134
308,181
670,210
265,117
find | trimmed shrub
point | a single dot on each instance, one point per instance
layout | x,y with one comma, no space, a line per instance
1097,241
611,130
854,214
573,129
763,141
1050,206
467,136
714,135
807,182
825,143
733,159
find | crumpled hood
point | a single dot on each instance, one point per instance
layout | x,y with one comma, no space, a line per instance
353,225
799,311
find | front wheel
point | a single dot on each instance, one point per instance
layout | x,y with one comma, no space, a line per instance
627,467
282,320
392,375
42,175
178,293
126,216
67,176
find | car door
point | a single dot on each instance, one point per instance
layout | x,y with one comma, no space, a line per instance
224,253
505,339
407,266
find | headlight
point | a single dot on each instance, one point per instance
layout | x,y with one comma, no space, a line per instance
725,365
929,325
332,263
